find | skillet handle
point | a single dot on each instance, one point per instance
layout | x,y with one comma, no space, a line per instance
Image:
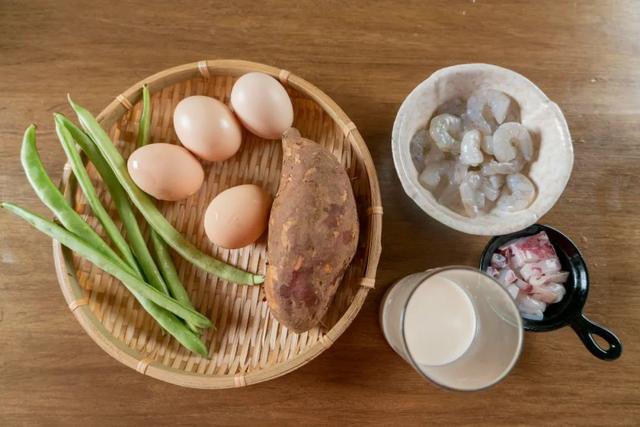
586,329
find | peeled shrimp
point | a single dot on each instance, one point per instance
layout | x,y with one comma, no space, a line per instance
495,101
444,129
509,136
470,147
496,181
450,196
472,197
457,172
491,186
470,153
487,144
518,195
502,168
432,173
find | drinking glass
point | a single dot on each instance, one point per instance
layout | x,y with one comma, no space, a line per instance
455,325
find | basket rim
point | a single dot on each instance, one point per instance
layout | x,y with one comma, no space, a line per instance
139,361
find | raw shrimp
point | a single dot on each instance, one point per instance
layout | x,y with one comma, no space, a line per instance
503,168
487,144
472,197
450,196
487,99
518,195
432,174
444,129
470,153
491,186
509,136
457,173
467,123
470,146
496,181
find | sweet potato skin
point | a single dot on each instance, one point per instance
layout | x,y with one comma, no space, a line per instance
313,234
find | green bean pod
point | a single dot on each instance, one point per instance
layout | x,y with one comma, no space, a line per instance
125,275
174,326
89,191
151,213
121,201
144,130
51,196
168,269
160,250
165,318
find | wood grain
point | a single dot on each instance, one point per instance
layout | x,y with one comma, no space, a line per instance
367,57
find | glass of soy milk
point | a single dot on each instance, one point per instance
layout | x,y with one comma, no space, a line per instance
455,325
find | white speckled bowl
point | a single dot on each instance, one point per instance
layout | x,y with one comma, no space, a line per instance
550,171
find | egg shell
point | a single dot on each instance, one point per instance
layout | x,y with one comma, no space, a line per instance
262,105
165,171
207,128
238,216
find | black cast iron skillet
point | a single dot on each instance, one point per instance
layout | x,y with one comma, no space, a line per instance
569,310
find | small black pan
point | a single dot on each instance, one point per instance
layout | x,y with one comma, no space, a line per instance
569,310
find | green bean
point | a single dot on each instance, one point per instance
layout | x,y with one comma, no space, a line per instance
153,216
90,193
165,318
144,130
174,326
125,275
51,196
161,252
121,201
168,269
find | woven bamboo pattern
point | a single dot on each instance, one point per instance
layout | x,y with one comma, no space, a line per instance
247,345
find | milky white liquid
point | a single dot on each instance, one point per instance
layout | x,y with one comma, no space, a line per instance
440,322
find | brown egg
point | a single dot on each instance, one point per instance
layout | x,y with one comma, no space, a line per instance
165,171
207,128
238,216
262,105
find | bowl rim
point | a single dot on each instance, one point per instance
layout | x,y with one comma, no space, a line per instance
403,165
134,359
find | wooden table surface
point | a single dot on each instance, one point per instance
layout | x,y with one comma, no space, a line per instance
367,56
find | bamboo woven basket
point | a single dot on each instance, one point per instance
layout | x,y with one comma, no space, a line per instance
248,345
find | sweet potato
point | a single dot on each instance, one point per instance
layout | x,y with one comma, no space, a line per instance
313,233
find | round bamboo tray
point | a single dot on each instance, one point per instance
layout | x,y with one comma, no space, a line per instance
247,345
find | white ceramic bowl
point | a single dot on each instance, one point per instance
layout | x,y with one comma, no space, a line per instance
550,170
